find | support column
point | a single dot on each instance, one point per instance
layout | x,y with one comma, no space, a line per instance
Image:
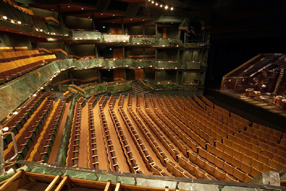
122,26
156,54
99,76
96,51
123,49
60,17
93,23
71,76
156,31
125,76
185,37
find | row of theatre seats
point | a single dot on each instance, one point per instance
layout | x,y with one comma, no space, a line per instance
110,152
234,160
73,147
133,166
149,162
30,130
91,136
14,63
44,143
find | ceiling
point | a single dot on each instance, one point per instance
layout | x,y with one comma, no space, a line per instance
128,11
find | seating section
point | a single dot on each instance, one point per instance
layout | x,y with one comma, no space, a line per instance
30,130
174,136
19,62
44,143
20,117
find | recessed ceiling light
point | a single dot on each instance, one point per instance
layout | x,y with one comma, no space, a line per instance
130,19
52,9
69,6
166,7
19,22
172,8
82,8
156,4
152,2
101,14
143,20
113,15
5,17
12,21
112,22
161,5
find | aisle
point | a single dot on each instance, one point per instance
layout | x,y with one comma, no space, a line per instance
56,145
83,154
123,167
131,144
101,151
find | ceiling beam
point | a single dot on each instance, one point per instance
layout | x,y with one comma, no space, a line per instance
102,5
132,9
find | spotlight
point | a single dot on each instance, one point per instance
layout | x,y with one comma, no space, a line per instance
166,7
41,30
152,2
5,129
5,17
76,38
12,21
172,8
19,22
161,5
156,4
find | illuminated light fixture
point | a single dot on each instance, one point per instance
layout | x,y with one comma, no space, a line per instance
150,65
34,95
130,19
175,67
52,9
76,38
5,17
172,8
69,6
156,4
161,5
15,113
139,67
149,0
113,67
113,15
101,14
41,30
12,21
126,65
112,22
166,7
152,2
42,88
82,8
143,20
80,38
19,22
5,129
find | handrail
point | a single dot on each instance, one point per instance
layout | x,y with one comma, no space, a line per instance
179,180
150,87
